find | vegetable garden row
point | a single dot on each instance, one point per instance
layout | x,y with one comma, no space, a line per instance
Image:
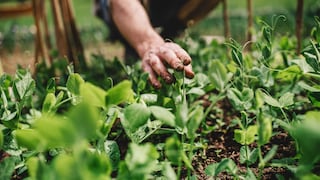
246,115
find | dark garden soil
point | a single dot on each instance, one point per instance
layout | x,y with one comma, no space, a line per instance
221,144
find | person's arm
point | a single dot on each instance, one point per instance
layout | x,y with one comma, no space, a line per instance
133,23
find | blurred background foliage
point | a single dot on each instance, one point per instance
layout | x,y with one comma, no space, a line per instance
21,30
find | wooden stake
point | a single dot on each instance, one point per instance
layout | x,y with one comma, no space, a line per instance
250,22
59,29
299,19
227,34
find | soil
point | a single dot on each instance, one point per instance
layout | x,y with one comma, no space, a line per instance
221,144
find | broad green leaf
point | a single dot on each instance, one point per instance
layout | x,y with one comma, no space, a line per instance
24,87
303,65
247,94
93,94
167,171
163,114
307,135
81,164
196,91
7,166
60,133
237,57
33,164
308,87
234,95
259,98
8,116
270,100
264,130
246,136
74,82
202,80
266,52
112,117
29,138
240,99
312,117
250,175
182,114
314,98
65,167
4,99
144,131
264,75
312,61
269,155
140,162
49,103
289,74
135,115
247,156
267,34
84,118
149,98
286,99
211,169
122,92
195,118
218,75
227,165
174,152
112,150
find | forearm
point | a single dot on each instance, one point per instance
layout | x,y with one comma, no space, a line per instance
133,23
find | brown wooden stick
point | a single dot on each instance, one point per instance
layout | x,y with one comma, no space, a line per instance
73,26
226,19
38,49
59,28
299,19
73,38
250,23
21,9
45,50
66,23
46,29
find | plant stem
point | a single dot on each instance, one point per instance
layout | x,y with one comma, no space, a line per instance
180,160
285,116
190,155
247,163
261,162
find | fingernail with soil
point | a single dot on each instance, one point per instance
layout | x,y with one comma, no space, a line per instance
186,61
179,66
168,79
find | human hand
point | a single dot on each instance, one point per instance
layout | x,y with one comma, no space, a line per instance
158,58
